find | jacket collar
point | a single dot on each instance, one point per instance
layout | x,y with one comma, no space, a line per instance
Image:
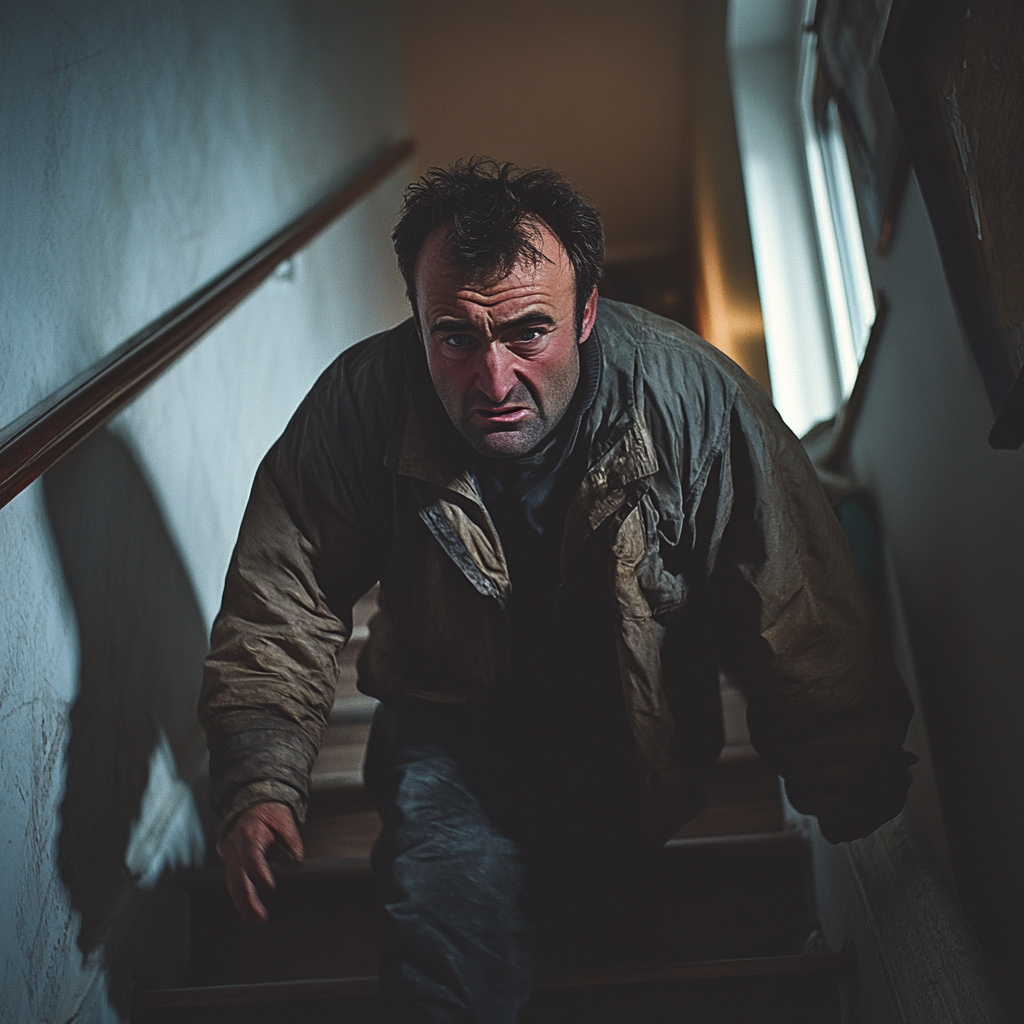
417,457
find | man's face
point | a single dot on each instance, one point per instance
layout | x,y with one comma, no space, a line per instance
503,354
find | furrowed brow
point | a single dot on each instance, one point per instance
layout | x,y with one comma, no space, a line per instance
526,320
450,323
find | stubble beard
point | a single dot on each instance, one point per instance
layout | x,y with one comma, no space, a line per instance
516,440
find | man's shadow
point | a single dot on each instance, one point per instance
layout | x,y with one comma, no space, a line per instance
142,642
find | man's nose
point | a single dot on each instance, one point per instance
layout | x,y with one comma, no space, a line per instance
496,375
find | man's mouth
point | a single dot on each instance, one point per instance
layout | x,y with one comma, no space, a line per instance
508,416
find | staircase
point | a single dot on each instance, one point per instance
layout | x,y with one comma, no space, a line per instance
734,940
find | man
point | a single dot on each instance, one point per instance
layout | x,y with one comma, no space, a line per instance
578,514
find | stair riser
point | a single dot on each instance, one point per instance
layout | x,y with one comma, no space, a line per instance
319,929
786,999
711,903
811,998
352,1010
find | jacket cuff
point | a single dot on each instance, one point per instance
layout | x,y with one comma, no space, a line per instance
862,804
259,793
258,758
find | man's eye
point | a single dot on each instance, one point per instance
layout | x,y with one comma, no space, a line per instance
458,340
530,334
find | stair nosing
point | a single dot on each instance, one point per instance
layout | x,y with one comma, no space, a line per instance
779,837
357,709
340,783
253,992
359,867
325,988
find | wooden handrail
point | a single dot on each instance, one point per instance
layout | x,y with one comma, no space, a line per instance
49,430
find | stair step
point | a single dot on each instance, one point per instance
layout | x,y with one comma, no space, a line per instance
339,766
799,987
361,613
322,925
762,990
731,907
355,710
717,899
743,798
743,793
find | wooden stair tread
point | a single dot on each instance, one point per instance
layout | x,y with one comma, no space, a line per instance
779,838
352,710
349,835
339,765
343,845
361,613
743,799
340,848
743,792
319,988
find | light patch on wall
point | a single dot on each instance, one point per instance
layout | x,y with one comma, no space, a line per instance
801,356
168,832
734,327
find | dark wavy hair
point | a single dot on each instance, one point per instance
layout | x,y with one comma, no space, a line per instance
488,208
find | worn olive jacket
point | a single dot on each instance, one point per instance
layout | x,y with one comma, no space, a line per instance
720,548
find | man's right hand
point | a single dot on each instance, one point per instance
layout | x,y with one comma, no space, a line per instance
244,852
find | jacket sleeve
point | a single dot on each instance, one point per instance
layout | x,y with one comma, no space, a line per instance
302,559
826,707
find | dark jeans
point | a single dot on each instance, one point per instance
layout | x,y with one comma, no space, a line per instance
502,840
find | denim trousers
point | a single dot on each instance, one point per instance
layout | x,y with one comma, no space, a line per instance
501,838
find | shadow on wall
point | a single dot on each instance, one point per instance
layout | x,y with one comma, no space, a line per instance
142,646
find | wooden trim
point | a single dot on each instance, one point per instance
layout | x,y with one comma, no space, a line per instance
48,431
336,988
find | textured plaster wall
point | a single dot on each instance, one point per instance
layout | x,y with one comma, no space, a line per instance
145,147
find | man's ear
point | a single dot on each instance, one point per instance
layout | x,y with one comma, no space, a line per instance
589,316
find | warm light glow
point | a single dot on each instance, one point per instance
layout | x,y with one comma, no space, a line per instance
734,327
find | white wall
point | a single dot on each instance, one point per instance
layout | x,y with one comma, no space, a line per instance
951,508
763,66
146,147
